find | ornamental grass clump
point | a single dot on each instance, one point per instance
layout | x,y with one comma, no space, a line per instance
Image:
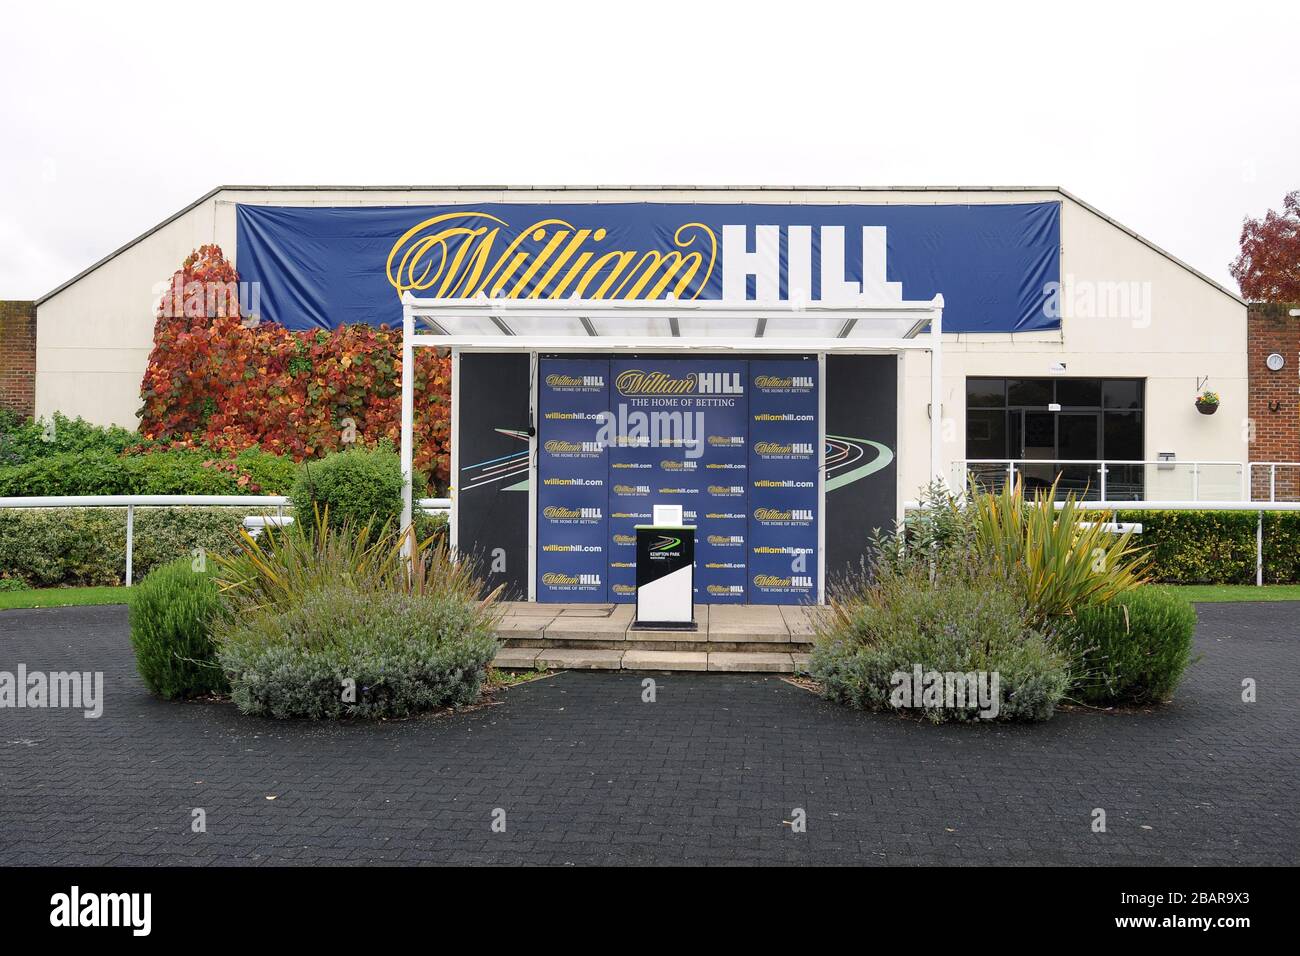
982,586
336,621
1062,555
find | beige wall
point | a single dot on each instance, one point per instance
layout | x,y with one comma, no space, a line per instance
1192,331
94,336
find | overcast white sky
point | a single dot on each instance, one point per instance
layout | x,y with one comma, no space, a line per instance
1175,119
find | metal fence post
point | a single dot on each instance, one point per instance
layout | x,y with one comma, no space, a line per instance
1259,549
1103,471
130,541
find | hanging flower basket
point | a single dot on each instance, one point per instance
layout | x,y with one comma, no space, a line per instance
1207,403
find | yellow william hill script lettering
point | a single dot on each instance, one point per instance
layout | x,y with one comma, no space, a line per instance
465,254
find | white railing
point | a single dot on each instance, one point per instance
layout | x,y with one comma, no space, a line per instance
131,502
1113,479
1269,479
1259,507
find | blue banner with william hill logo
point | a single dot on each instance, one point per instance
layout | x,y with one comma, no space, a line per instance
321,267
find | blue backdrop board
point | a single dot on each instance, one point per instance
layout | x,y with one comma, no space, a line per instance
320,267
685,422
783,461
733,441
572,471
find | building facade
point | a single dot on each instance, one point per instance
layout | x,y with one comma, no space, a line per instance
1136,333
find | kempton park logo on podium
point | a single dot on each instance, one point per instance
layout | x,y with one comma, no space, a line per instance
470,254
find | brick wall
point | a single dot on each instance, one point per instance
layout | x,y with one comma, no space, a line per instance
1274,397
18,357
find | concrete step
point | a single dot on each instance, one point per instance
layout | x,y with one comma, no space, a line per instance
635,659
631,642
774,629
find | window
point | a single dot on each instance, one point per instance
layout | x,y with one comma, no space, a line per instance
1099,418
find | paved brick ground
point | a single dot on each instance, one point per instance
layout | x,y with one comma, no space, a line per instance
587,773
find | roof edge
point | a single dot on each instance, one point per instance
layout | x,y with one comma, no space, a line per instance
1151,245
125,246
634,188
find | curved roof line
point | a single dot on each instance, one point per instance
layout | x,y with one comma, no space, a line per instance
633,188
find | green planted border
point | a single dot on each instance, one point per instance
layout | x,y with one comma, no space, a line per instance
177,472
86,547
1218,547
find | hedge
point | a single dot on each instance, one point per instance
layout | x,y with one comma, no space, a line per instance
179,472
343,652
75,547
86,547
1218,547
28,440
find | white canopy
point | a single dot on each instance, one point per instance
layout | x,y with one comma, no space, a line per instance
666,325
523,324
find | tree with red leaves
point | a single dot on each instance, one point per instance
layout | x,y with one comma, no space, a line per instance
1268,268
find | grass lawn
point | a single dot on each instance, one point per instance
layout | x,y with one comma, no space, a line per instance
61,597
1222,593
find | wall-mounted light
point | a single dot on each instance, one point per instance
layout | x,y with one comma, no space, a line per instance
1057,368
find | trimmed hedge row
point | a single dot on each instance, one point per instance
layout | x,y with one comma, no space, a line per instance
24,440
84,547
181,472
1218,547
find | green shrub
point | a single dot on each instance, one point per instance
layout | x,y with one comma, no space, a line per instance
86,547
357,486
172,612
1133,650
343,652
177,472
24,441
1054,555
313,608
271,474
13,584
952,625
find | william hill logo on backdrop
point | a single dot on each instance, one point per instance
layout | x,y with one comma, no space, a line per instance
634,383
784,383
571,382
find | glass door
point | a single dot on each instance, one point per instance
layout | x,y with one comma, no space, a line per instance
1037,431
1077,436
